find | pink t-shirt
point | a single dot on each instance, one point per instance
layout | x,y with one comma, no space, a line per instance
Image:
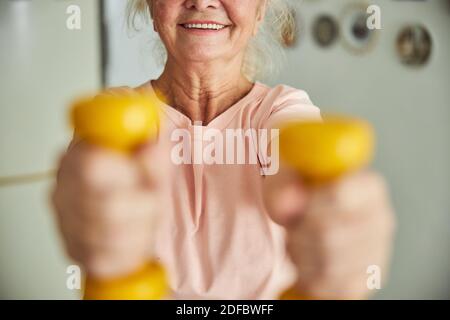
215,237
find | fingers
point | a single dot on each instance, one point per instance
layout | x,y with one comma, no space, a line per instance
285,196
154,161
101,232
101,263
114,215
347,227
349,193
98,170
106,209
351,287
334,250
147,157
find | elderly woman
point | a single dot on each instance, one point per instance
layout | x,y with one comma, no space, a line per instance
223,228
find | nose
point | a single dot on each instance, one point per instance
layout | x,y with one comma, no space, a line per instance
201,5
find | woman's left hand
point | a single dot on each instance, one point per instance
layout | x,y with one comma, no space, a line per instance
337,234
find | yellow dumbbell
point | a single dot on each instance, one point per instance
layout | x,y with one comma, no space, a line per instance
121,123
323,151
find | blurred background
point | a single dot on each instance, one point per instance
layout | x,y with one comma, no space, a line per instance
397,76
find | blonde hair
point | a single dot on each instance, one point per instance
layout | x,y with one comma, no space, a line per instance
264,55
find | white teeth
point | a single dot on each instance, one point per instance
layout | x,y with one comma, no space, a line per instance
211,26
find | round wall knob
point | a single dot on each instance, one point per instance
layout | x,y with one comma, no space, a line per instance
414,45
356,35
325,30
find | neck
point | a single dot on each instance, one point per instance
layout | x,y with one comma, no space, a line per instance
202,91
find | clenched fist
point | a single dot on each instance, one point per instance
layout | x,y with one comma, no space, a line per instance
334,232
105,204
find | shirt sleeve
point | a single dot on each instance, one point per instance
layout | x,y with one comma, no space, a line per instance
289,105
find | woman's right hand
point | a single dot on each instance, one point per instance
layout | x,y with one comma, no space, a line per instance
105,203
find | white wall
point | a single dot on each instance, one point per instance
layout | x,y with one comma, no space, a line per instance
43,67
130,60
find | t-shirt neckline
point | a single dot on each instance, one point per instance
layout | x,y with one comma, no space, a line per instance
219,122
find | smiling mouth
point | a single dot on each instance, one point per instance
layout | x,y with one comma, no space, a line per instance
204,26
